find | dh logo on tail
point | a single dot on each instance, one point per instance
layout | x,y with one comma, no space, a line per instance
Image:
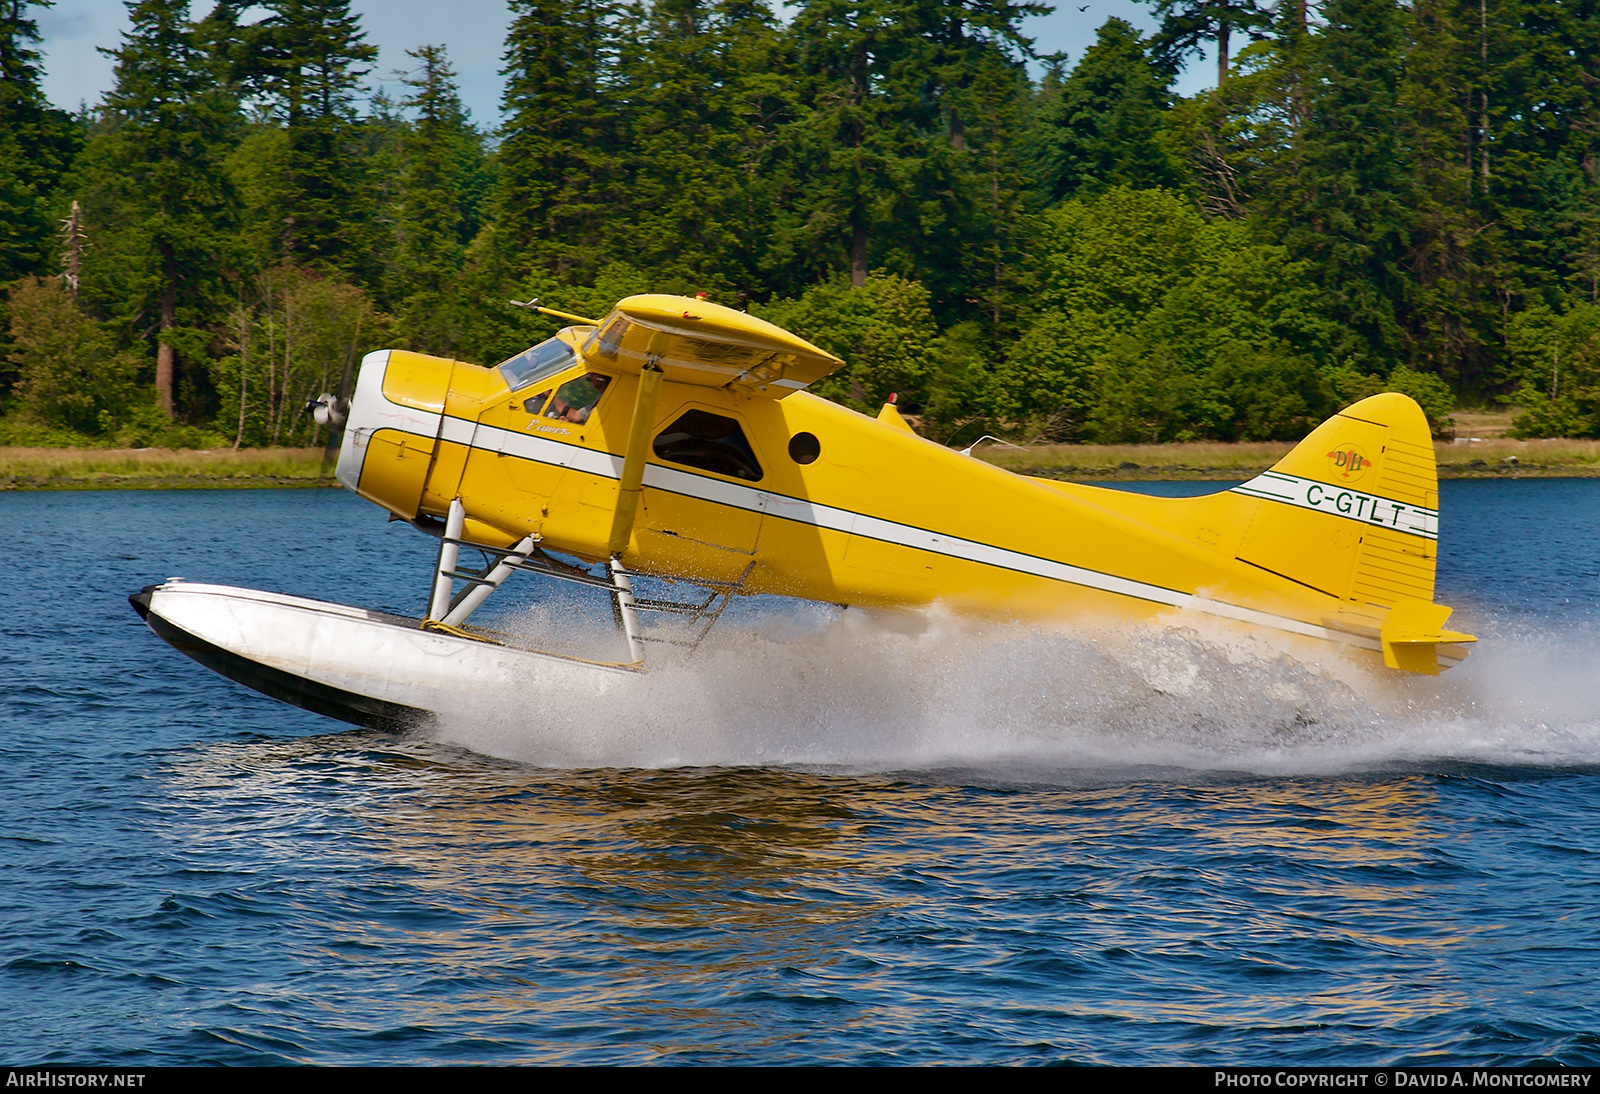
1349,462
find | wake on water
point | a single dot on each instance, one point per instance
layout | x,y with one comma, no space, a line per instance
859,691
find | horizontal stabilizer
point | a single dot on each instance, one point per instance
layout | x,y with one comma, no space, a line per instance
1412,632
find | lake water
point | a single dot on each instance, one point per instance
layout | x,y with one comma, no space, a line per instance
826,838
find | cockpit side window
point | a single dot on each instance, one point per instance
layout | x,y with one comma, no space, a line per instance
574,400
710,442
536,363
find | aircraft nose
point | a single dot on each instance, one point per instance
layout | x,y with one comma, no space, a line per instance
392,427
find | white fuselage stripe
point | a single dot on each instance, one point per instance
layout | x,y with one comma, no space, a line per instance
1339,501
559,454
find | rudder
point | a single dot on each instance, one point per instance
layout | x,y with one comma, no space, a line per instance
1357,518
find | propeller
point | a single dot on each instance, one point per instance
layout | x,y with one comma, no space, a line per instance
332,410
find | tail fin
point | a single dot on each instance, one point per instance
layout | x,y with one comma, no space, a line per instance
1358,519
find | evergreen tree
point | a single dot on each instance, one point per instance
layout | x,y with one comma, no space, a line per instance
1186,24
562,169
1346,208
864,125
1542,152
37,143
707,88
1452,314
305,59
1103,128
884,142
442,177
157,196
961,222
1242,141
982,273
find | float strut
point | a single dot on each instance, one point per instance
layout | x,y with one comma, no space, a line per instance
623,592
449,551
490,581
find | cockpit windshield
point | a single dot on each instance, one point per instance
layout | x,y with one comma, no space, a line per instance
534,364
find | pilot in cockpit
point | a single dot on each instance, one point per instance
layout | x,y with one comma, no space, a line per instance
574,401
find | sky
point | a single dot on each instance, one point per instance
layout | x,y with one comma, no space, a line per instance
473,32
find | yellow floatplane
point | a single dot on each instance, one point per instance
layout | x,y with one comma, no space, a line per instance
674,438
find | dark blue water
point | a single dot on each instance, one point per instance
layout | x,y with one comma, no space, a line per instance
826,838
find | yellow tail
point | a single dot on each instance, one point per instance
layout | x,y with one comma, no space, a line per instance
1353,512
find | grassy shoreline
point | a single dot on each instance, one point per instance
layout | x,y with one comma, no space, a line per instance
159,468
1488,458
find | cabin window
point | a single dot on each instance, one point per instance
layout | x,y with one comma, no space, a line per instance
574,400
536,363
804,448
533,405
709,442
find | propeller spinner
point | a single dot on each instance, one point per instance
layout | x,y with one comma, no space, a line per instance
332,410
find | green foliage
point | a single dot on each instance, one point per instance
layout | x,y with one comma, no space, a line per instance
1239,140
1153,322
1346,208
1456,231
441,187
1351,385
884,332
156,195
1555,365
561,174
1394,195
899,146
291,339
1104,126
1113,258
706,85
1430,392
1271,394
37,143
1187,25
72,378
1433,395
958,391
1145,395
1046,383
1142,395
304,59
257,168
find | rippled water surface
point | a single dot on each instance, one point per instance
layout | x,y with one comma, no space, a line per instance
826,837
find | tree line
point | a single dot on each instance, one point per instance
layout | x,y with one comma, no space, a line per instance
1377,195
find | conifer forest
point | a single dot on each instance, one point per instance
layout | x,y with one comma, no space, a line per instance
1377,195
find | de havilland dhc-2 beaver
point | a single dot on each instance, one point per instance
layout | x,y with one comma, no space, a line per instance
675,438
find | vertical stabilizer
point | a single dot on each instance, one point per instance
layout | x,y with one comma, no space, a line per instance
1353,512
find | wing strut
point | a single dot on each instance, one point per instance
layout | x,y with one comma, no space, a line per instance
628,489
644,417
